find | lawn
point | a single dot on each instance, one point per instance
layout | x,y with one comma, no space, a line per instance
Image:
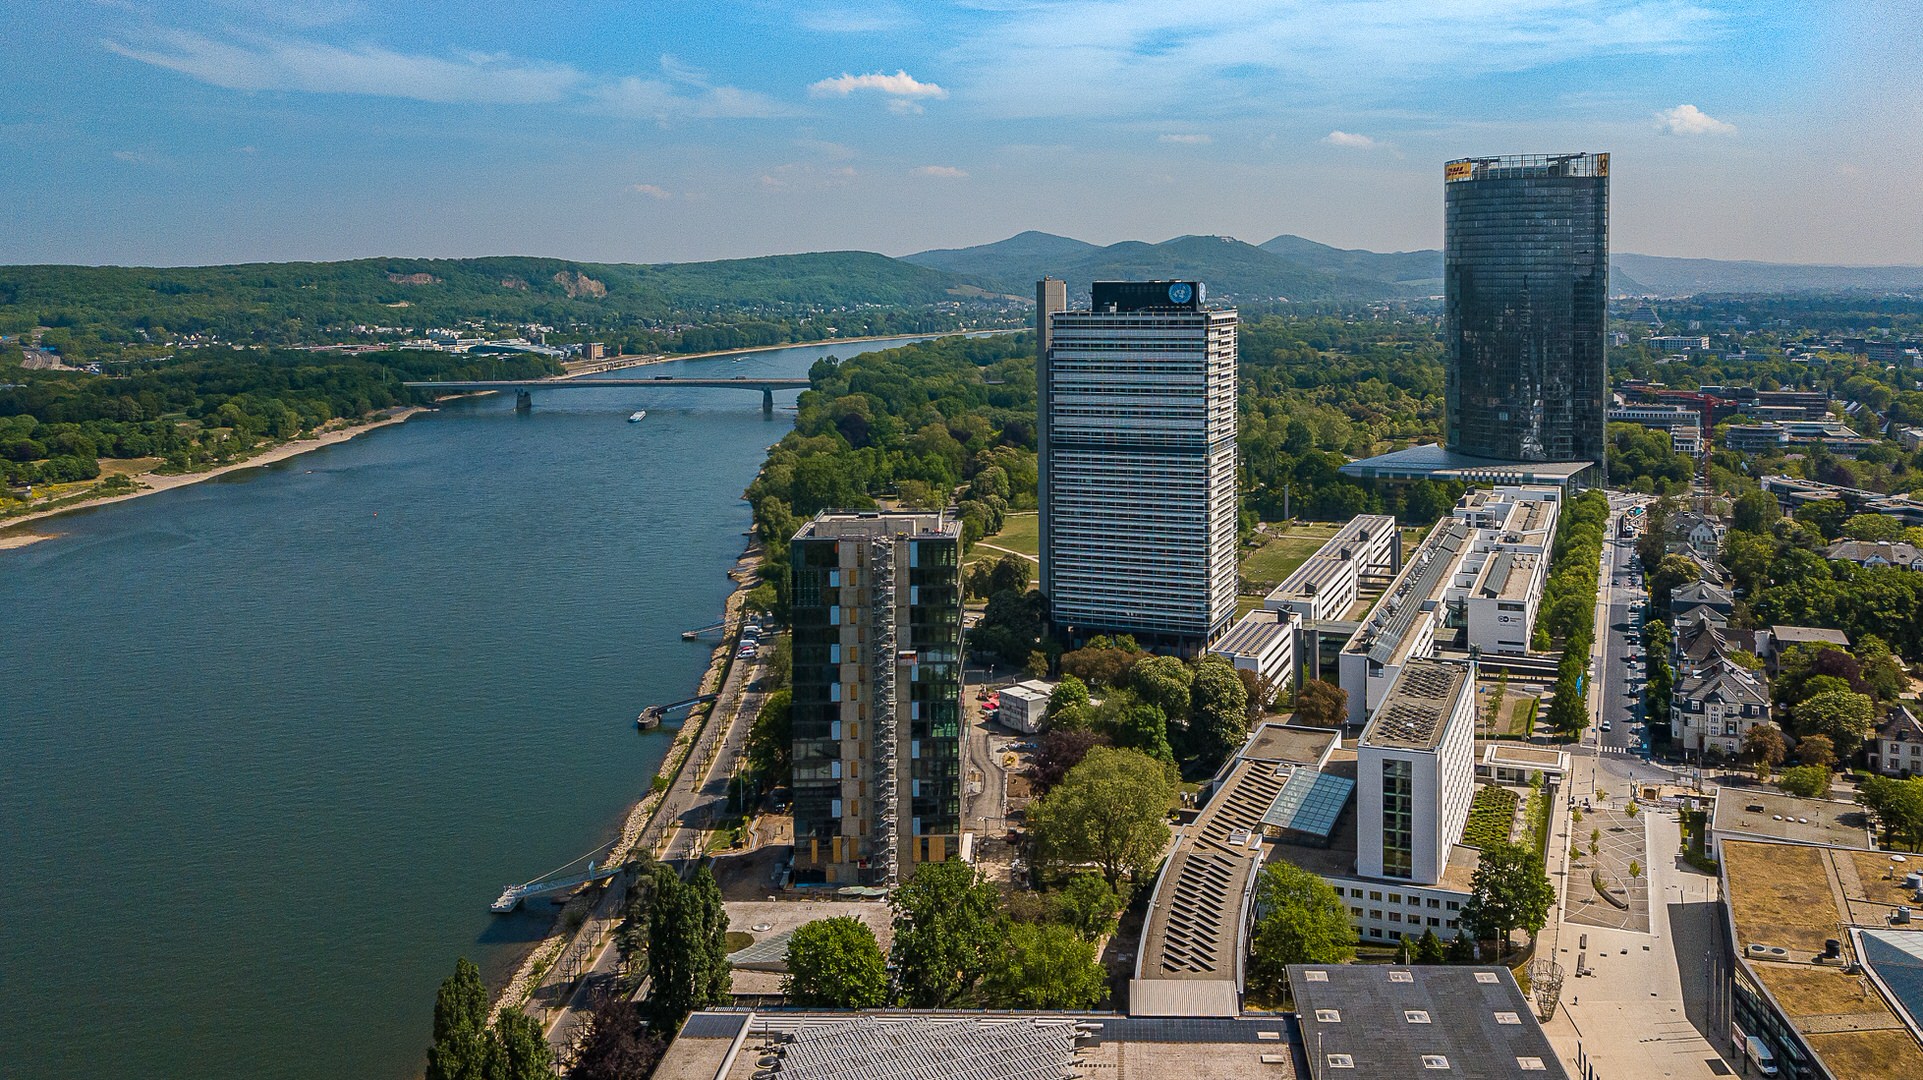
1020,532
1522,717
1277,559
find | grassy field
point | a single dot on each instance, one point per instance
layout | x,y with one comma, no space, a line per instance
1522,717
1277,559
1020,532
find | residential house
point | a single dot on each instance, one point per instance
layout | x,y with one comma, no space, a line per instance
1714,708
1875,553
1897,749
1701,594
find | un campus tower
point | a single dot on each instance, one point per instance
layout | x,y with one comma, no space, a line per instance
1525,283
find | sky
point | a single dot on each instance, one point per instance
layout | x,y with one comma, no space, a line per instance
161,133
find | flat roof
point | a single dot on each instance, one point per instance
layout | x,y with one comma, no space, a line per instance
1413,715
1531,757
1508,574
1808,635
865,524
1254,634
1375,1020
1432,462
1784,903
1287,743
975,1045
1747,813
1413,594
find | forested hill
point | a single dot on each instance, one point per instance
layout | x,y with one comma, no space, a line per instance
289,303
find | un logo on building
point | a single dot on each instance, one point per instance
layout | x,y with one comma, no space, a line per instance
1180,292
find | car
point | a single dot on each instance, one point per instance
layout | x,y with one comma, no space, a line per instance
1605,725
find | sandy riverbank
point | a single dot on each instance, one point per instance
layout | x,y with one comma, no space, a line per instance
152,483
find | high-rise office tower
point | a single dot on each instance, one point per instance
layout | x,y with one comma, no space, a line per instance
1137,470
1525,282
876,726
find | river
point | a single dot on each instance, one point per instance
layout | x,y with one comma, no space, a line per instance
271,743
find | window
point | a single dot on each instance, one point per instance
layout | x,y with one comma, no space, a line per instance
1434,903
1356,911
1395,898
1433,921
1401,976
1355,894
1395,916
1450,923
1341,1061
1328,1016
1508,1018
1434,1061
1375,913
1454,905
1531,1064
1486,977
1415,1016
1375,894
1398,819
1315,976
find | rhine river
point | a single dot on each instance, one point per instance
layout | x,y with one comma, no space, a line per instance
270,744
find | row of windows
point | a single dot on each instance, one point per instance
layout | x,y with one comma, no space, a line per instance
1396,898
1396,917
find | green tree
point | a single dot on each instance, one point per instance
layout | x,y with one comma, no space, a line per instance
1754,512
1163,681
1321,704
1875,528
461,1048
1898,806
770,740
1300,920
1218,712
1429,948
1011,574
1070,692
1088,906
1805,781
1462,948
687,951
1826,516
1044,967
1765,746
1843,715
521,1050
1672,573
1509,891
1816,750
948,927
1141,726
835,964
616,1045
1111,811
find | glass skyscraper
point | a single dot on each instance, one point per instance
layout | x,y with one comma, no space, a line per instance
1525,283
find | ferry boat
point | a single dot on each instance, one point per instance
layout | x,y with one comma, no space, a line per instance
637,416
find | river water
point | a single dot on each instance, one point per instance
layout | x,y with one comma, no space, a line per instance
271,743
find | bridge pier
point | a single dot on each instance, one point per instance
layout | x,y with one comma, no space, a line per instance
523,401
767,402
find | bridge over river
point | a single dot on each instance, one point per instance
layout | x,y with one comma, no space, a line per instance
524,388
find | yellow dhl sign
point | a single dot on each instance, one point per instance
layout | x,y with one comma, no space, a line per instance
1456,170
1602,164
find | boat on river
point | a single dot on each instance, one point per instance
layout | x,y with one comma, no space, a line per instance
637,416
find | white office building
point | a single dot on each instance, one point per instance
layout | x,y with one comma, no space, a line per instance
1137,462
1416,774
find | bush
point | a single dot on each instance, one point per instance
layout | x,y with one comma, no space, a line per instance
1805,781
1490,816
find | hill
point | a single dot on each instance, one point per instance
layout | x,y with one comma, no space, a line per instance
1414,270
1664,276
1232,269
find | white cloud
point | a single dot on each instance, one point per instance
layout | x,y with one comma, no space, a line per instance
945,171
285,64
1349,140
651,191
1185,139
900,85
1690,120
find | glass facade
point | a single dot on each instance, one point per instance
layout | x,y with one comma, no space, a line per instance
1525,282
876,722
1398,819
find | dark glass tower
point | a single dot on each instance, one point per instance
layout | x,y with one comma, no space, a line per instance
1525,282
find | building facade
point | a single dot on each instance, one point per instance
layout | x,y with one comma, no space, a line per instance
876,736
1525,283
1137,434
1416,774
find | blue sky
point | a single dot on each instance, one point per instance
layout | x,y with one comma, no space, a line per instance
231,130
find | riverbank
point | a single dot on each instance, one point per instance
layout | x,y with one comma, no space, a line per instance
153,483
586,922
634,360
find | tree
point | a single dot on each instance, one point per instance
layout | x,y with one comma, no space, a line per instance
1429,948
770,742
1321,704
1462,948
836,964
1218,712
461,1048
1492,713
1875,528
1088,906
1011,574
687,950
616,1046
1754,512
1765,746
1163,681
1111,810
1142,726
1673,572
1882,669
1045,967
1843,715
1898,806
947,929
1071,691
1805,781
521,1049
1061,749
1509,891
1816,750
1300,920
